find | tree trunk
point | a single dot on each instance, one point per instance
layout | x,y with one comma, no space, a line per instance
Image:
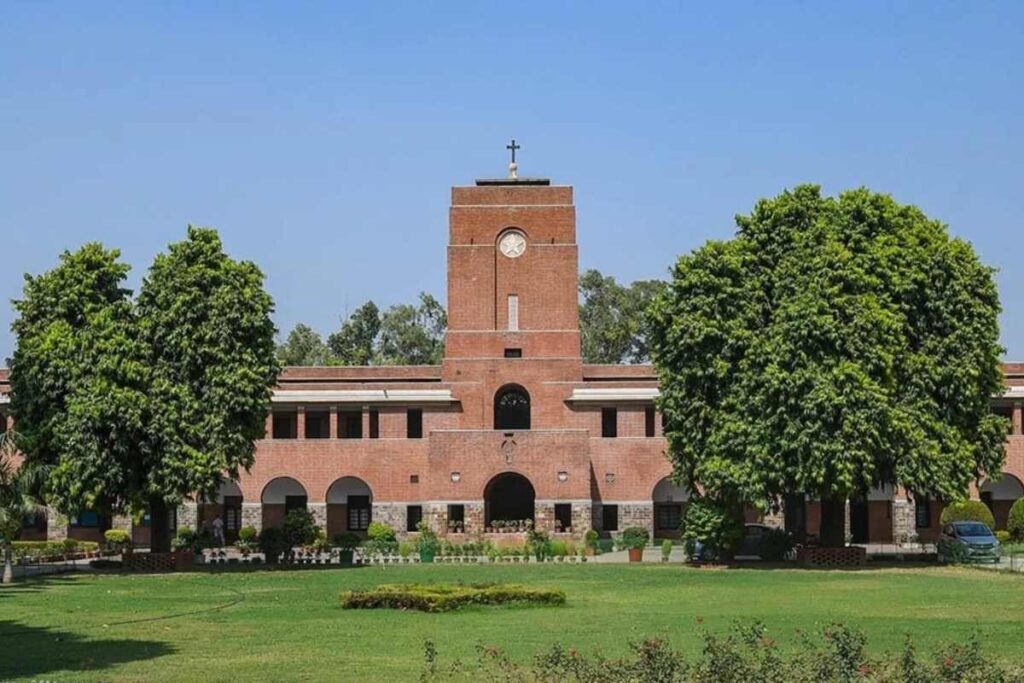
159,527
8,567
833,523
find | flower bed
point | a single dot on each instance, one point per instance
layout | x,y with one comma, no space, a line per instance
447,597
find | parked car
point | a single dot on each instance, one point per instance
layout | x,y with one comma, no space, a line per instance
968,542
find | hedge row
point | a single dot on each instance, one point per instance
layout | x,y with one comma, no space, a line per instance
43,550
447,597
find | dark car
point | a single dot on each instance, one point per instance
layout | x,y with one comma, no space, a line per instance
968,542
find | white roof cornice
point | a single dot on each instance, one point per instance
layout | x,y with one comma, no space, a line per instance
364,396
613,394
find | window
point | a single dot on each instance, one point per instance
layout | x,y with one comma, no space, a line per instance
414,423
36,520
457,518
88,519
609,422
922,513
414,478
232,514
374,424
294,503
610,517
512,408
513,313
649,421
350,424
513,353
358,513
563,517
286,425
413,516
668,516
318,424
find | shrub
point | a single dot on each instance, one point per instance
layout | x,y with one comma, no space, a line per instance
427,541
967,511
187,539
776,544
117,540
300,527
248,534
447,597
634,537
559,549
346,541
718,528
380,539
952,552
539,544
273,543
590,539
666,549
1003,536
405,549
1015,522
44,551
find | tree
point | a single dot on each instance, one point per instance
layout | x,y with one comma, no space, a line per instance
412,335
79,383
353,344
612,323
833,345
204,319
303,347
16,503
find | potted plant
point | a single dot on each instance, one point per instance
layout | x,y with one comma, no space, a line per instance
634,540
666,550
346,544
427,544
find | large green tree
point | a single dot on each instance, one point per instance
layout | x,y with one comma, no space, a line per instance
354,343
612,324
304,347
204,319
833,345
412,335
16,500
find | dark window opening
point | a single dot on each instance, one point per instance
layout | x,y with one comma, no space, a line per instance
413,516
358,513
294,503
414,423
318,425
350,424
668,516
513,353
414,478
563,517
374,424
88,519
609,422
286,425
36,520
649,421
922,513
457,518
512,408
610,517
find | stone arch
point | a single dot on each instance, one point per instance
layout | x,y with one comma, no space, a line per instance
280,496
349,506
669,501
1000,495
512,407
508,496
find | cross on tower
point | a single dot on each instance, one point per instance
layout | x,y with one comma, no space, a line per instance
513,146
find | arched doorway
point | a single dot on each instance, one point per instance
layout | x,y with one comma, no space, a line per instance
512,408
1000,496
669,505
349,506
508,497
226,504
281,496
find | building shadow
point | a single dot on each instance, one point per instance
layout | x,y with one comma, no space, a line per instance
33,651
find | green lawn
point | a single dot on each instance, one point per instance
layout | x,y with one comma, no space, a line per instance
287,625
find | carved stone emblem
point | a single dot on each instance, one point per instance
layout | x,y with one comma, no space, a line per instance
508,447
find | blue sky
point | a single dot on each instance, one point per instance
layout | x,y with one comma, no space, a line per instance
321,138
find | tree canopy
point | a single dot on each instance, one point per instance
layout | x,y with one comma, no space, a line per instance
303,347
833,345
613,328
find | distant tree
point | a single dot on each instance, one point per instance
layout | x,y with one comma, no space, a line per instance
205,321
833,345
16,502
80,382
304,347
354,343
612,323
412,335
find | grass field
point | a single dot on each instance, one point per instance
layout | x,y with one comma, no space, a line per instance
287,625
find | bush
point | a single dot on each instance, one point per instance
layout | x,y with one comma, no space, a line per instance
46,551
1003,537
559,549
300,527
117,540
273,542
447,597
666,549
590,539
538,543
380,539
1015,522
967,511
719,528
346,541
634,537
248,534
187,539
776,544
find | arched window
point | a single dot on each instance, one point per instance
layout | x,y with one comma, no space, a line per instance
512,408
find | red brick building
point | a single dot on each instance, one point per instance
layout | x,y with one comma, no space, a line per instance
511,426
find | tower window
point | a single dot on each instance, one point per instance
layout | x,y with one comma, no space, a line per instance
609,422
414,423
513,312
649,421
512,408
513,353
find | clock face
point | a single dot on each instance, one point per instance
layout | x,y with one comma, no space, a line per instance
512,244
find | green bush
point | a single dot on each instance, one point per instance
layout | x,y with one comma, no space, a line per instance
1003,536
718,527
1015,522
427,542
300,527
273,542
634,537
45,551
447,597
248,534
559,549
776,544
346,541
666,549
539,544
379,531
117,540
590,538
187,539
967,511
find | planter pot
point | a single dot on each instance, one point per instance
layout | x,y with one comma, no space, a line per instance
636,554
346,556
426,555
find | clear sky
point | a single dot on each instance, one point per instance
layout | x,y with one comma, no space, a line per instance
321,138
